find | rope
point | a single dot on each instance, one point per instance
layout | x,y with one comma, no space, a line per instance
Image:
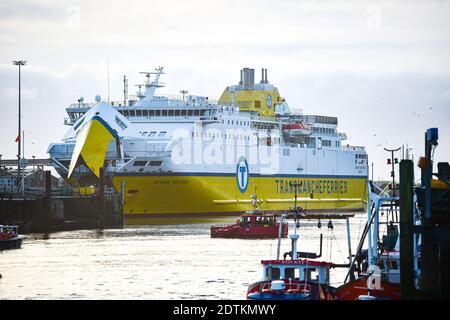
339,248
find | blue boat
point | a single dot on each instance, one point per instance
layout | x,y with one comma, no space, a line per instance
10,237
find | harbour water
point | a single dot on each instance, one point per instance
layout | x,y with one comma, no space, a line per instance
156,262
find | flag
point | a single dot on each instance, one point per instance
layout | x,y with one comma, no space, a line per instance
17,139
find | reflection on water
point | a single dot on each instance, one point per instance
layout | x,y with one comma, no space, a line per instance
155,262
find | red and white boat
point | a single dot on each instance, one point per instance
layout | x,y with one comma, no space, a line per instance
252,225
295,278
377,268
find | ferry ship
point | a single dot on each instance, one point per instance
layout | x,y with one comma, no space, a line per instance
189,155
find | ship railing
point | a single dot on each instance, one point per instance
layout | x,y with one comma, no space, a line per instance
354,148
296,111
82,105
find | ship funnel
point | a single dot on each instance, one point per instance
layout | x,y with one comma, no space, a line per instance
265,80
262,76
248,77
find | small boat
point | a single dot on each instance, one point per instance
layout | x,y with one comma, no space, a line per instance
295,278
296,129
10,237
252,225
378,267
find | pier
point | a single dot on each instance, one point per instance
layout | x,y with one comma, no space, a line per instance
61,209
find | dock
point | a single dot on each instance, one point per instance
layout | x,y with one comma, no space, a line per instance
60,210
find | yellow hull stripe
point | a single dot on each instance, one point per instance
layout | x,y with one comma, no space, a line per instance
177,195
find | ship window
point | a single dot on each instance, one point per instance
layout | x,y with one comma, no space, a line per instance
152,134
155,163
326,143
164,113
310,274
144,133
138,113
151,113
162,134
291,273
273,273
177,113
145,113
158,113
138,163
183,113
78,124
132,113
257,104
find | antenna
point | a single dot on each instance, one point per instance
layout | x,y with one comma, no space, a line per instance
125,90
184,92
108,77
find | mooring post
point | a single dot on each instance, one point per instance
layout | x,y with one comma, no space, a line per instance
122,202
48,200
430,266
406,233
102,198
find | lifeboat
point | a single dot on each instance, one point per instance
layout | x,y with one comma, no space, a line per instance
296,129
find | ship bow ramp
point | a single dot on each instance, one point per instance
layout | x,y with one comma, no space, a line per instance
93,133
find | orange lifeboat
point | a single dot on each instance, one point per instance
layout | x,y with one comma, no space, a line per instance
296,129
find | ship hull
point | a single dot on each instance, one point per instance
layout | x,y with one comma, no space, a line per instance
150,198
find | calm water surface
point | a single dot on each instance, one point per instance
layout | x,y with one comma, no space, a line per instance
156,262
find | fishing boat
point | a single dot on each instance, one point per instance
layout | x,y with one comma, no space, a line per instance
374,273
295,278
192,156
10,237
298,278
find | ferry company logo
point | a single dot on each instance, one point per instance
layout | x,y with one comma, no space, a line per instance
269,101
242,175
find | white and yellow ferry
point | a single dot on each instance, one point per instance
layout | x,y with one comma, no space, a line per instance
191,156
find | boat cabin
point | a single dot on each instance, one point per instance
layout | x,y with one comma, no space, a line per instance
297,270
252,220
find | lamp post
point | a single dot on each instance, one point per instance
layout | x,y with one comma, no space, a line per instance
372,171
19,63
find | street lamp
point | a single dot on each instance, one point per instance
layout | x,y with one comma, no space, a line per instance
19,63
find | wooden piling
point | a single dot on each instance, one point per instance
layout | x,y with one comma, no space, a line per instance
406,230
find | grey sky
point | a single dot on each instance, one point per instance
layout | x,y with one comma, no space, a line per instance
382,67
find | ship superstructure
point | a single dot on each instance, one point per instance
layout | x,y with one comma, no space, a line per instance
189,155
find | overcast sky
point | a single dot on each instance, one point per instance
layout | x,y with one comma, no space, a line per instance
381,67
